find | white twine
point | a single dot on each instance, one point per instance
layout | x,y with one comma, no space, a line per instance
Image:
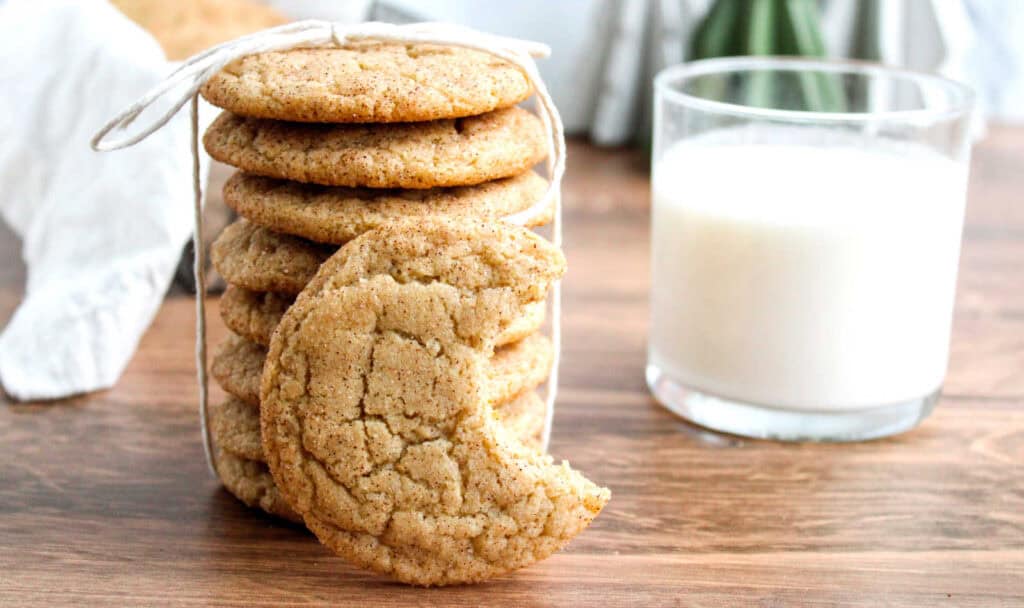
183,85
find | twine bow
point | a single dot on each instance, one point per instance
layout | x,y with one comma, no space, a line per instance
183,84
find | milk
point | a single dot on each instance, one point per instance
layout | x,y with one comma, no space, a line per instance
805,276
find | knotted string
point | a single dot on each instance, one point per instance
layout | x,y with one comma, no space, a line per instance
183,84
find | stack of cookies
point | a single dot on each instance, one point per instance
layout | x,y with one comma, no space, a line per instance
331,143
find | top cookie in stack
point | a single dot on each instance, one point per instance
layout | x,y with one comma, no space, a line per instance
333,142
314,116
367,82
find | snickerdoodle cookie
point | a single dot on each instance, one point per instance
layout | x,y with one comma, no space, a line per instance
236,424
258,259
327,214
375,414
439,153
251,483
255,314
367,82
236,428
523,365
237,366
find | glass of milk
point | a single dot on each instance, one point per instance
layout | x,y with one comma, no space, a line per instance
806,221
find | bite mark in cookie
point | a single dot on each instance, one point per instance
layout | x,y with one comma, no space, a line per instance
375,415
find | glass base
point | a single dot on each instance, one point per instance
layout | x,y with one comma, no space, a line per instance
761,422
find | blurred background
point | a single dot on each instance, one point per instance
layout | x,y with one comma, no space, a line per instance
605,52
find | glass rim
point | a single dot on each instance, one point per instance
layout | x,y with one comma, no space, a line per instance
961,96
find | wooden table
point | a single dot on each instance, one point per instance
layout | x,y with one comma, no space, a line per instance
105,499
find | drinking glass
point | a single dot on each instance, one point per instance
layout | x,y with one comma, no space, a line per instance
806,224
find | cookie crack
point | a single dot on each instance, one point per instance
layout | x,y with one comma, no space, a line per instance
446,493
365,378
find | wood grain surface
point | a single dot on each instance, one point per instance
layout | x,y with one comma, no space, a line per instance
105,499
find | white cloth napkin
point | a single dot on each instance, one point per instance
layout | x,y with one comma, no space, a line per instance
102,233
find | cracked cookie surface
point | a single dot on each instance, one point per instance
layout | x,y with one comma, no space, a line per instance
375,417
440,153
367,82
238,366
236,424
255,314
258,259
327,214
